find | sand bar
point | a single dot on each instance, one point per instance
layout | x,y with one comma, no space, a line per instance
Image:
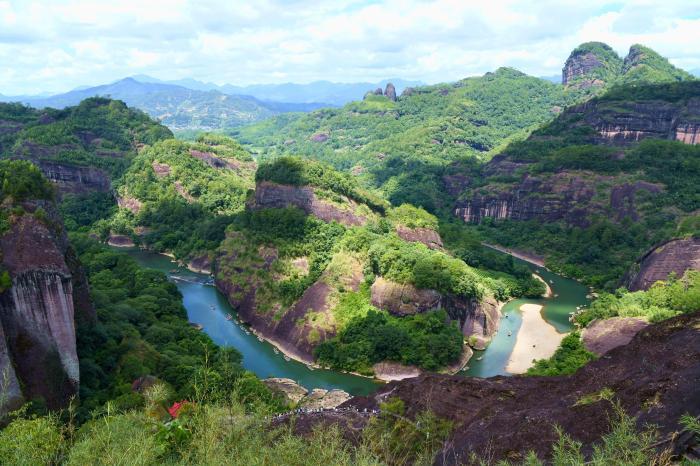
536,339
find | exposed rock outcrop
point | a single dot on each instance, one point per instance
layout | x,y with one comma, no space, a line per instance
478,320
292,391
653,378
579,66
75,179
390,92
273,195
604,335
129,203
120,241
39,310
200,264
427,236
161,169
320,137
296,395
295,330
675,256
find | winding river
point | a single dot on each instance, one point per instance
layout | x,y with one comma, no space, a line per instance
206,306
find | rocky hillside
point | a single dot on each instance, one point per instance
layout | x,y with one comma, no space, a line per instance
316,264
42,294
80,148
504,418
596,65
383,138
605,165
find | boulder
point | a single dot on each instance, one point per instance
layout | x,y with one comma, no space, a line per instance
603,335
427,236
292,391
324,399
403,299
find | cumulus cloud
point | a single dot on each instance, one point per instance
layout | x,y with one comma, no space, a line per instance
53,45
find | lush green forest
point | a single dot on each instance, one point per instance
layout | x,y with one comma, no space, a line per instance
99,132
403,146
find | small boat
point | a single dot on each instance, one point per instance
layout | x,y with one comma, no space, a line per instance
551,281
260,338
479,358
556,295
510,333
276,350
286,358
247,332
310,367
229,317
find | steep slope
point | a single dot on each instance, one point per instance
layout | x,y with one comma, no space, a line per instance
175,106
314,262
402,146
593,66
598,186
80,148
506,418
43,293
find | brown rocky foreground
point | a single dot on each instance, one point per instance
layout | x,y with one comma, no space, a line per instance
656,378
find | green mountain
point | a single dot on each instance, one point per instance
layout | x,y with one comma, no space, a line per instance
595,65
598,186
402,146
178,107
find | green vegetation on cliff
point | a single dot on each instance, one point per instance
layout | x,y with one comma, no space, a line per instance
403,147
99,132
142,335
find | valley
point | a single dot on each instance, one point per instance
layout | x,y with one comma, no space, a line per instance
435,276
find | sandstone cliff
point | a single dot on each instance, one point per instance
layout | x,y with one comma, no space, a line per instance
675,256
273,195
478,320
38,312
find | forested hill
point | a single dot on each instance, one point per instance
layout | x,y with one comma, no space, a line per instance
80,148
401,145
599,186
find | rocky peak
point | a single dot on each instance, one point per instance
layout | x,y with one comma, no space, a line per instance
591,64
390,92
644,64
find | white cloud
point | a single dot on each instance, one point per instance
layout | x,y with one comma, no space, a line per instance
57,45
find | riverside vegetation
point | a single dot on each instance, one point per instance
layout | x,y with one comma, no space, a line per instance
155,391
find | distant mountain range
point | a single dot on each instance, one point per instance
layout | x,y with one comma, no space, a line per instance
189,104
335,94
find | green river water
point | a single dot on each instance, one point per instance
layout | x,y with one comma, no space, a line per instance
207,306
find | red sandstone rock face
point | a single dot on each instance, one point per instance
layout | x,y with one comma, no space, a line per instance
654,378
604,335
427,236
273,195
320,137
161,169
403,299
37,312
478,320
581,65
675,256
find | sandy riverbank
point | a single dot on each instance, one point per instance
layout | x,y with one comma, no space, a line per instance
536,339
548,293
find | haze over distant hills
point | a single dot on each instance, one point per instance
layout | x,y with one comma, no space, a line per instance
188,104
328,92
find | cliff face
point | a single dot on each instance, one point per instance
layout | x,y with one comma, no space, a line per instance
298,329
273,195
580,66
38,312
571,195
75,179
675,256
478,320
627,122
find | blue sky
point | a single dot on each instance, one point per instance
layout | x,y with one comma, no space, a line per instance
57,45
